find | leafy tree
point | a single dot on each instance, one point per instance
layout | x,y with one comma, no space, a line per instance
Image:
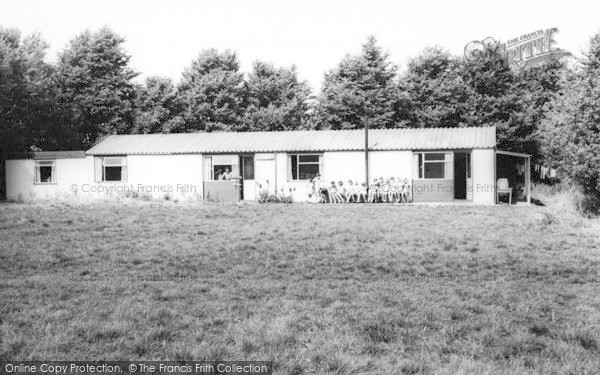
535,87
313,119
591,62
277,99
94,85
212,93
570,131
361,87
439,89
512,101
433,92
26,96
492,100
158,107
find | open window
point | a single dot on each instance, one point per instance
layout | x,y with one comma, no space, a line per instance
111,169
433,165
45,171
221,167
305,166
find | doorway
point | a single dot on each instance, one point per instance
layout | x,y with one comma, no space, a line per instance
221,182
513,172
462,175
247,174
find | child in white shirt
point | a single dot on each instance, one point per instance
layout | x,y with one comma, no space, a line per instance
332,192
406,191
341,192
362,193
350,192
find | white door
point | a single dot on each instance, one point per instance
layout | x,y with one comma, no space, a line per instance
264,172
248,182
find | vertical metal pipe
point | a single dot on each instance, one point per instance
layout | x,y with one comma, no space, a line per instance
275,163
367,152
528,178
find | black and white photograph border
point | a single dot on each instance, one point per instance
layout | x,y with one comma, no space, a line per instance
316,187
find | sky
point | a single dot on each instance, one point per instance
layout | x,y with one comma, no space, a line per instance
163,37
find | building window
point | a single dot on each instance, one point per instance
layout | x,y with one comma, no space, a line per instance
221,167
434,165
45,171
468,165
111,169
222,172
305,166
247,167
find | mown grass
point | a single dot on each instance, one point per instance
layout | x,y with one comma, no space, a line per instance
318,289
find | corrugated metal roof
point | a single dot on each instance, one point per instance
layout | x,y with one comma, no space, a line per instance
302,140
75,154
58,154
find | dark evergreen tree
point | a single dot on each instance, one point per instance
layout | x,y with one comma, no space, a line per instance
212,92
361,87
27,100
501,97
277,99
570,131
535,86
158,107
433,92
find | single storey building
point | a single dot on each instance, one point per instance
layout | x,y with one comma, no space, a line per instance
442,164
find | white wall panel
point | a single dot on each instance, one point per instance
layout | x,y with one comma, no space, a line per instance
20,179
343,166
483,164
388,164
179,176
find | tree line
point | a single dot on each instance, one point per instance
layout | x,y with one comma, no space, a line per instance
550,111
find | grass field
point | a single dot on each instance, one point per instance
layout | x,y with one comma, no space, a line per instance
318,289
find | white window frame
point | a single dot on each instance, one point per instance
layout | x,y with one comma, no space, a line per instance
210,161
103,165
447,160
298,163
38,174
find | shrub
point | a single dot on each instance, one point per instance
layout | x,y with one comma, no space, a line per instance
263,197
282,197
570,132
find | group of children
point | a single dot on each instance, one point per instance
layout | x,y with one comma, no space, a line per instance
380,191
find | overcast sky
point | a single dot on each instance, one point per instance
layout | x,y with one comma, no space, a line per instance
164,36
